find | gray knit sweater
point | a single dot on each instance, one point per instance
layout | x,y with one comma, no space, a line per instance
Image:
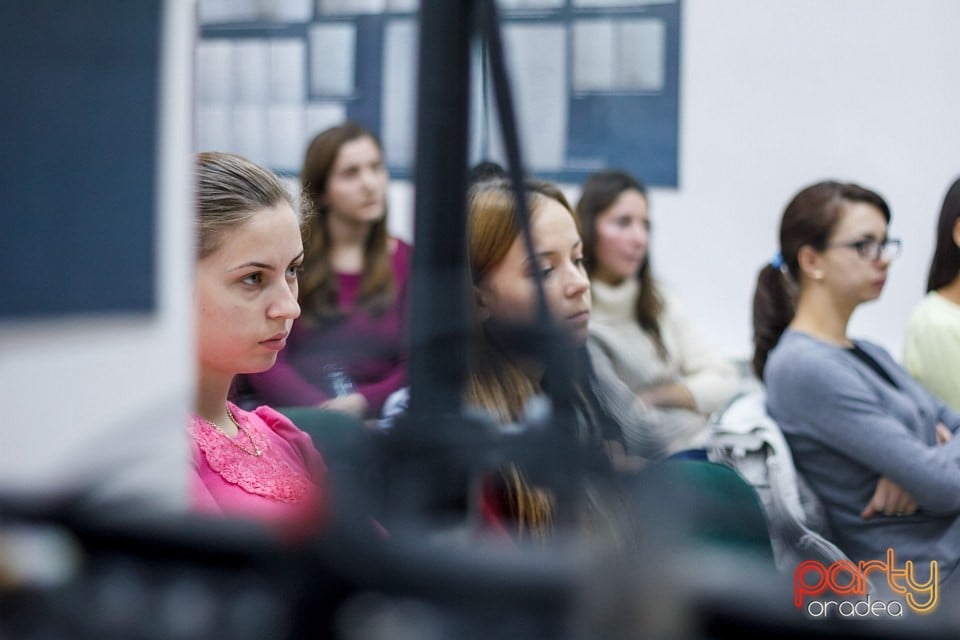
847,427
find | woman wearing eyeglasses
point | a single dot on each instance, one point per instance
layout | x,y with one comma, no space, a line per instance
874,445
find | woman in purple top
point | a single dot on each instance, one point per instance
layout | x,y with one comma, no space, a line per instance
347,352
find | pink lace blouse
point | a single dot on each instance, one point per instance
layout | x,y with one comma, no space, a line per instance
282,484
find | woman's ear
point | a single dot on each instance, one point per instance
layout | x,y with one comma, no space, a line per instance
480,307
956,232
808,259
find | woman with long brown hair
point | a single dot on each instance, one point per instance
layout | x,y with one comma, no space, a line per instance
638,326
348,350
504,374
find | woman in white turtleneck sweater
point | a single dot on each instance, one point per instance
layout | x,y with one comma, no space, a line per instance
638,328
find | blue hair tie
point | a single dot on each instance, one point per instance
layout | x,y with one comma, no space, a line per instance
777,261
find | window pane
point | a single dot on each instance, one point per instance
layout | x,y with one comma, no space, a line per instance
214,71
507,5
285,142
287,70
332,59
227,11
286,10
322,115
223,11
621,55
403,5
251,70
618,3
348,7
399,86
536,57
594,64
640,58
248,134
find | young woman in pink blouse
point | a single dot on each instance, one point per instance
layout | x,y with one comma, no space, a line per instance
253,464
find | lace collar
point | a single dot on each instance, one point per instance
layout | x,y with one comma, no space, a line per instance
268,475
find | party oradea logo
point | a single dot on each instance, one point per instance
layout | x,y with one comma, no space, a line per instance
843,588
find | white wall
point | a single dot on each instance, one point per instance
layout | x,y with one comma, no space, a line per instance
776,95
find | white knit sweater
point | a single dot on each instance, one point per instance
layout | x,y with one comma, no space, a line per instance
617,337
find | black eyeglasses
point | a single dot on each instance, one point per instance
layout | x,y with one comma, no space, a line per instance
871,249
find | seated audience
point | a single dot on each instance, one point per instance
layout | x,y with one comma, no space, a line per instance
876,447
253,464
348,351
932,352
509,378
637,324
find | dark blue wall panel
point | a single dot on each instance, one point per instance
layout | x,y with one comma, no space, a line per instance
78,124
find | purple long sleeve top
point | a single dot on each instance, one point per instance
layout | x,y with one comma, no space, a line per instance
370,349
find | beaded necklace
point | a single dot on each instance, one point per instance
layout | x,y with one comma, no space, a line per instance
256,450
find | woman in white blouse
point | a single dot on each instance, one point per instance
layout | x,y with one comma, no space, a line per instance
637,326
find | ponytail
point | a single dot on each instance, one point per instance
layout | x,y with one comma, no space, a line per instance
774,305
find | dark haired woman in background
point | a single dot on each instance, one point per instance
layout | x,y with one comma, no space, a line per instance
347,352
637,326
932,351
875,446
